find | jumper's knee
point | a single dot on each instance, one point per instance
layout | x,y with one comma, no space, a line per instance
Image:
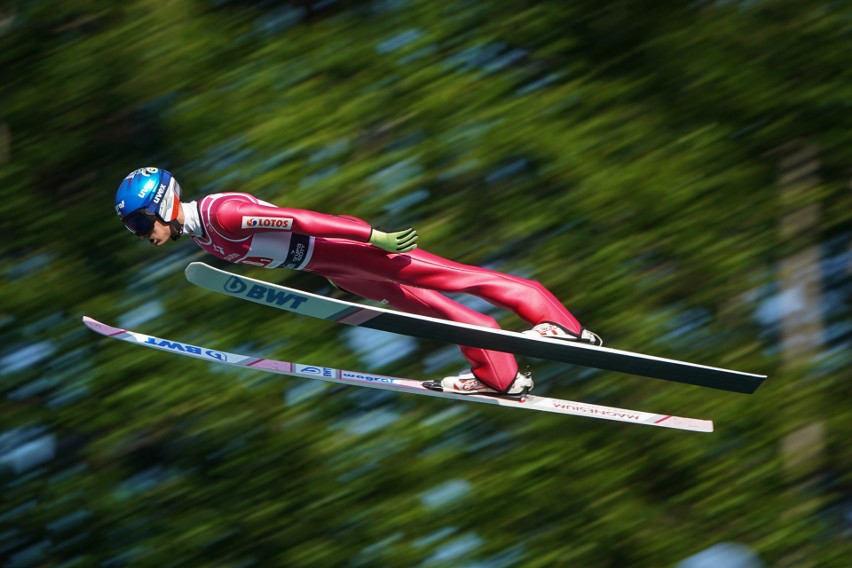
483,320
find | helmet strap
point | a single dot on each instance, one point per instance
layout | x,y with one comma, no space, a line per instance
176,229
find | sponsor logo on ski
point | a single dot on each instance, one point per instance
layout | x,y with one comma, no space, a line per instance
365,377
185,348
318,371
281,224
236,285
613,412
218,355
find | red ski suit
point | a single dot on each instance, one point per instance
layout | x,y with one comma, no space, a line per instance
240,228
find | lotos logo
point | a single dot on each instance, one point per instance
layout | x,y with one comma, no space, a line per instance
185,348
235,285
281,224
364,377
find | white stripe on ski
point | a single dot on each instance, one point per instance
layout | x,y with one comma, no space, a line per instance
398,384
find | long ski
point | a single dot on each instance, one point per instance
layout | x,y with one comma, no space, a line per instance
314,305
412,386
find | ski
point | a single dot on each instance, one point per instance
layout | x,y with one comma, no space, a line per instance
314,305
397,384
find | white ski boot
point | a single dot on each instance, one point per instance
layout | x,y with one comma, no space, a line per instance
555,331
522,385
467,383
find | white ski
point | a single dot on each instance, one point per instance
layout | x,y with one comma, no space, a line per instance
314,305
412,386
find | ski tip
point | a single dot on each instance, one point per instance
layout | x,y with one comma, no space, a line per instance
195,271
91,323
99,327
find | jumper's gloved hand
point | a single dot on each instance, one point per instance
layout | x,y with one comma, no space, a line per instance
404,240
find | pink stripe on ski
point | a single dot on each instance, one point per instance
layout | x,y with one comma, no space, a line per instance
358,317
272,365
663,419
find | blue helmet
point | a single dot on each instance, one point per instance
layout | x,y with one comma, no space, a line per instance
146,195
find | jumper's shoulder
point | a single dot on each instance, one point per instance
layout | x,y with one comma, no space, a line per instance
224,211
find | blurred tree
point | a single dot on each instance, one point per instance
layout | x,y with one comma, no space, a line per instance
623,155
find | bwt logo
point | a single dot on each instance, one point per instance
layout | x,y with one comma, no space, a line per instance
184,348
218,355
235,285
319,371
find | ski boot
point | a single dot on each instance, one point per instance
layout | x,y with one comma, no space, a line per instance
467,383
555,331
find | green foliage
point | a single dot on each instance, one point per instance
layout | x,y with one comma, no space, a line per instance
626,159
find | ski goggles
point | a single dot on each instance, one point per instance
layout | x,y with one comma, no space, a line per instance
140,222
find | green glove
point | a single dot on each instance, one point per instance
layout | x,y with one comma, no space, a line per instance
404,240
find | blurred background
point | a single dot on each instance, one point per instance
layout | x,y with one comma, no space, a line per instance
678,173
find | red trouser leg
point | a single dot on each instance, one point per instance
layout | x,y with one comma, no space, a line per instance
528,299
494,368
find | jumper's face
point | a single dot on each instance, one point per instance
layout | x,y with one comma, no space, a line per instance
160,234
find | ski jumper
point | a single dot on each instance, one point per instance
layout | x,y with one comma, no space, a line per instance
240,228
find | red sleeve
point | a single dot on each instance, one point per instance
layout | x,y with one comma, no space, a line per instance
243,218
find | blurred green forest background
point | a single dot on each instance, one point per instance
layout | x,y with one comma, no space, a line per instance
678,173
